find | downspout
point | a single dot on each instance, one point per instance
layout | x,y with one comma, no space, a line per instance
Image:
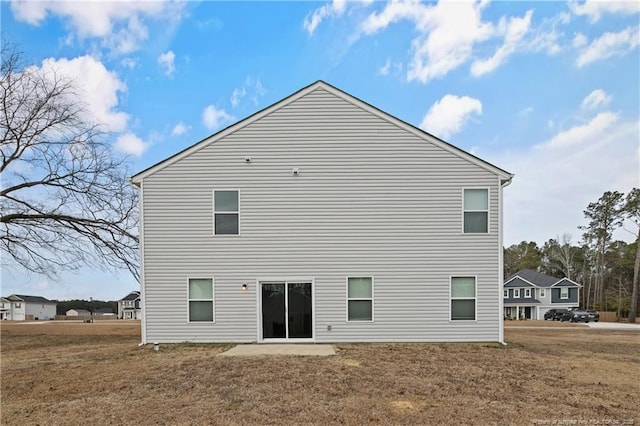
501,184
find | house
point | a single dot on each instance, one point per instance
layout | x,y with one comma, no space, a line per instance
78,313
321,219
129,306
5,308
19,307
104,313
529,294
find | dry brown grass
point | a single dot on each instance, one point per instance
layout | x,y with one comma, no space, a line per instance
61,373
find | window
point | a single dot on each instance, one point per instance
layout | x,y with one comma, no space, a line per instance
463,298
201,299
542,292
564,293
359,299
516,292
476,211
226,212
506,293
18,305
527,292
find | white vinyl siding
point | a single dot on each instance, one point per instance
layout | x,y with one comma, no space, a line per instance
476,211
359,299
463,298
201,304
332,220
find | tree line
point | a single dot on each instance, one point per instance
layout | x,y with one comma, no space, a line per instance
606,268
88,305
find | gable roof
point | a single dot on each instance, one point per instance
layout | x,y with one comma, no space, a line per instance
538,279
29,299
503,174
566,282
132,296
518,282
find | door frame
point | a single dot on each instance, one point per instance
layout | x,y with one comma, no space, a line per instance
285,281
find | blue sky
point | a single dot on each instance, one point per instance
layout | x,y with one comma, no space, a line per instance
546,90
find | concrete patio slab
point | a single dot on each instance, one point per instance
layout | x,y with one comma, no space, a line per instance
280,349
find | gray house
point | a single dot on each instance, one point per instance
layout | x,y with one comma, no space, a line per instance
321,219
529,294
20,307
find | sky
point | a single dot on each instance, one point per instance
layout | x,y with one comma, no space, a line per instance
548,91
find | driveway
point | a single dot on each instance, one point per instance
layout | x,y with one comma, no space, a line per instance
614,326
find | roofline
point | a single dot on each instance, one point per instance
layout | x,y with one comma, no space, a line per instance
518,276
505,176
568,279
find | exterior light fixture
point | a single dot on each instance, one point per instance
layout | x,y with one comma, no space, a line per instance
296,171
244,287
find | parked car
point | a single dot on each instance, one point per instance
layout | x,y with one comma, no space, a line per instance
593,315
554,314
575,315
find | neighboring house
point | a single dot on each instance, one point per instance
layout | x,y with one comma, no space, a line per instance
321,219
129,306
529,294
104,313
5,308
78,313
20,307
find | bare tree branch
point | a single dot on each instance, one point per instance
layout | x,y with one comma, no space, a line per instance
65,198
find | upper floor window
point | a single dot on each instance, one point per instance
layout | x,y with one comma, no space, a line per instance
527,292
506,293
516,292
476,211
226,212
542,292
463,298
18,305
564,292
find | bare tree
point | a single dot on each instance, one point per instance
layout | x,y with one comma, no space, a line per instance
65,199
564,254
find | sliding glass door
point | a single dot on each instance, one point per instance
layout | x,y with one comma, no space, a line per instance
286,310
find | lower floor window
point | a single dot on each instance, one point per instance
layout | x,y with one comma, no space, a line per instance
360,299
463,298
201,299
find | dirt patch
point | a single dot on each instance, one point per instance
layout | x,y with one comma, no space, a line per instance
85,373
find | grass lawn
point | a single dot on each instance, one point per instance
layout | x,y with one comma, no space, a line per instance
73,373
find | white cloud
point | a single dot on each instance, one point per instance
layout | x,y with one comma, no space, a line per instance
594,9
579,40
384,70
130,63
180,129
238,93
595,99
514,32
214,118
130,144
99,89
555,181
609,44
313,19
580,134
119,24
449,115
167,62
